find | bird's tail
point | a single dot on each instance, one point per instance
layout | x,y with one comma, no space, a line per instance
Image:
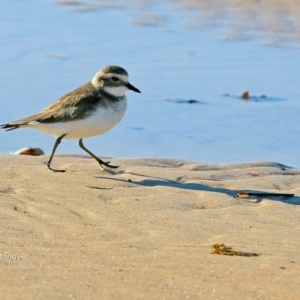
9,127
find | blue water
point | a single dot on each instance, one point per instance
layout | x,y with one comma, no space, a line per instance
48,50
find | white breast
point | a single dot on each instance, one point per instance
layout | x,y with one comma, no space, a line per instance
102,120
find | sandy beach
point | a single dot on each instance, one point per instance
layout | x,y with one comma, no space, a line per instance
146,230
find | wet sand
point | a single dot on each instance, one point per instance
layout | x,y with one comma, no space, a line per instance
145,230
276,20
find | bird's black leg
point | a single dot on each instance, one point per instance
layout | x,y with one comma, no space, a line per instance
101,162
57,142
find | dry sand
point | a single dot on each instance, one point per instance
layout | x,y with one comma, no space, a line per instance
145,231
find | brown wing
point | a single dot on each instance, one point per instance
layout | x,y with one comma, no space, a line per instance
72,106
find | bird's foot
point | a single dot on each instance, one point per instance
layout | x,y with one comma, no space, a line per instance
55,170
107,164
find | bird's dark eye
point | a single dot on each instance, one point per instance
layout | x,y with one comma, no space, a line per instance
114,78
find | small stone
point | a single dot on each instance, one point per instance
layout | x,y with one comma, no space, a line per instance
30,151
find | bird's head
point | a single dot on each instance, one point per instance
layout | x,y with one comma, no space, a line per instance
113,80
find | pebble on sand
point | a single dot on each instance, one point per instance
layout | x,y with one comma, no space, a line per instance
30,151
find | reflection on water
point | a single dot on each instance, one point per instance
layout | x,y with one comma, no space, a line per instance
278,21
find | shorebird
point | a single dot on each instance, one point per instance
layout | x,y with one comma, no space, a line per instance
92,109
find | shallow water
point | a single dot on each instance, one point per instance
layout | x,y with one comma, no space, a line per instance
173,55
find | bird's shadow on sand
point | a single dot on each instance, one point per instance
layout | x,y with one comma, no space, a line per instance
151,181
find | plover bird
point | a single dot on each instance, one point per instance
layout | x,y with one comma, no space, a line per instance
92,109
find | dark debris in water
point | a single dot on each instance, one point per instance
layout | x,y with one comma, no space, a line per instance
247,97
189,101
137,128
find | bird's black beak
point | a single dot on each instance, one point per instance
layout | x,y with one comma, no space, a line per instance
131,87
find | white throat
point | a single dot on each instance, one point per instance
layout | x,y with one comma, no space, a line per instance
117,91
